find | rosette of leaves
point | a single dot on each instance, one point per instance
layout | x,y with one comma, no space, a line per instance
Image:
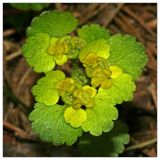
48,43
85,101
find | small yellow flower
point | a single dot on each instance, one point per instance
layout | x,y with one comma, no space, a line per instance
116,71
75,117
90,90
66,85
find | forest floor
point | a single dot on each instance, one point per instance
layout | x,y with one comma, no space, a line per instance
140,115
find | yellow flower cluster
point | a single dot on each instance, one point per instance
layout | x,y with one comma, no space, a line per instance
77,98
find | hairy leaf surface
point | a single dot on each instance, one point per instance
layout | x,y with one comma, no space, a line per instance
100,117
35,51
93,32
127,54
121,90
46,89
49,124
53,23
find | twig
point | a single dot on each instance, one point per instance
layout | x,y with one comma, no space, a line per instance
126,28
17,131
13,128
152,129
151,8
152,90
152,24
13,55
130,13
142,145
130,27
24,77
9,93
60,6
152,64
8,45
113,15
90,16
114,29
8,32
153,48
150,38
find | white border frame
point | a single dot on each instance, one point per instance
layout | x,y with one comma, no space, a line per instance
74,1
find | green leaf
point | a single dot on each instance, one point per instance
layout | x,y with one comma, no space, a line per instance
108,145
35,51
93,32
49,124
121,90
53,23
30,6
100,48
127,54
100,117
45,91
